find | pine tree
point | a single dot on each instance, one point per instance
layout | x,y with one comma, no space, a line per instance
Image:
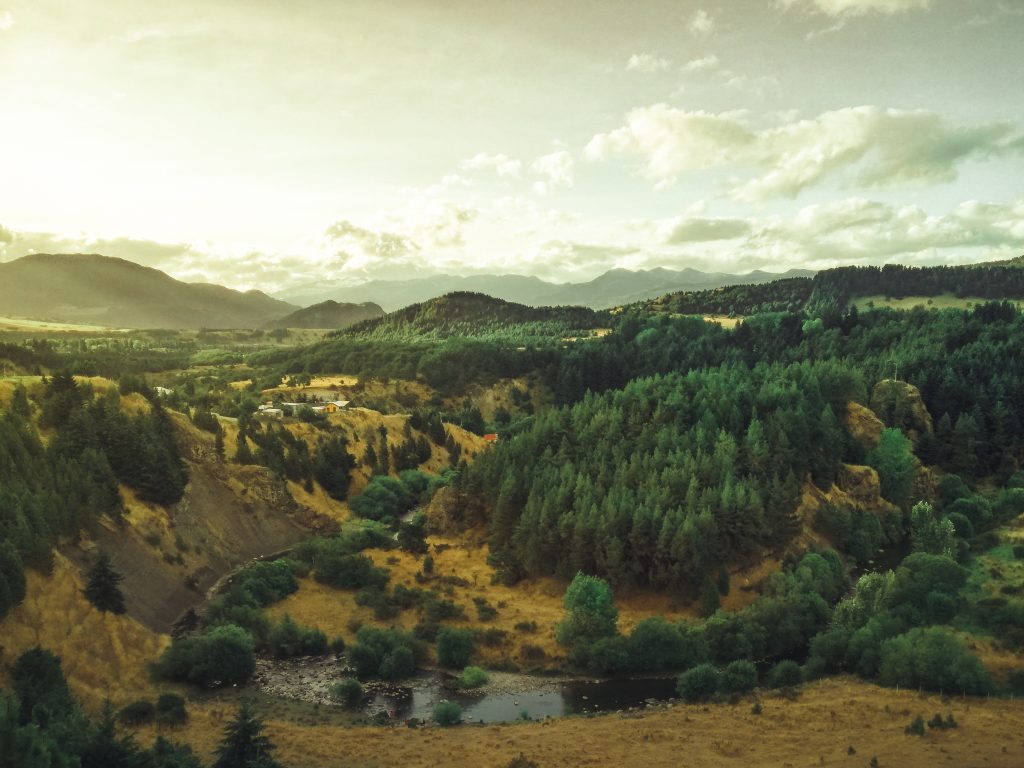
243,454
102,586
244,744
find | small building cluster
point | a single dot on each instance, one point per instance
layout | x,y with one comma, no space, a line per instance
277,410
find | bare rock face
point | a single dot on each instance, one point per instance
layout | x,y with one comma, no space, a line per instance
862,484
899,404
864,426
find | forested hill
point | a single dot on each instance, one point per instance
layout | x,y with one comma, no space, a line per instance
95,289
475,315
329,314
834,289
450,342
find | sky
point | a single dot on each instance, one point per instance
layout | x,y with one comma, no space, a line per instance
270,145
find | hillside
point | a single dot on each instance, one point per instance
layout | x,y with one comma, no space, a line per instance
95,289
328,314
835,289
615,287
476,315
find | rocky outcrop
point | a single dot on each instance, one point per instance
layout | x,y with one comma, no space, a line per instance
863,425
899,404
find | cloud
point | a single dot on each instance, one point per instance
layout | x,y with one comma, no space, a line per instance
863,231
699,230
839,8
703,64
647,62
555,170
503,165
702,24
149,253
6,21
868,146
382,246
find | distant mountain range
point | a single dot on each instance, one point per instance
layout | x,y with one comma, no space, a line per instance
613,288
328,314
95,289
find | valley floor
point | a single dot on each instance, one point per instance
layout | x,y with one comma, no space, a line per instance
818,728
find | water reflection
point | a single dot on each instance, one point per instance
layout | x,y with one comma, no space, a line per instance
578,697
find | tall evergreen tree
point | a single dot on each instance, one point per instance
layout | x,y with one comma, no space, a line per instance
244,744
102,587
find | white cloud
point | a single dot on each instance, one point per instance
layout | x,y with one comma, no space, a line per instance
503,165
702,24
703,64
6,21
879,146
555,170
647,62
838,8
864,231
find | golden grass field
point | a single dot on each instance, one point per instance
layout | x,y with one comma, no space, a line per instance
942,301
818,728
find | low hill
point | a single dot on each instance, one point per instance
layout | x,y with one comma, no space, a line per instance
328,314
476,315
95,289
615,287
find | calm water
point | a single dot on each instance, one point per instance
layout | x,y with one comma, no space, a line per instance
577,697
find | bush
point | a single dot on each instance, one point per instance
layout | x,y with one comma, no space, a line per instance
137,713
447,713
916,727
738,677
383,652
349,571
288,639
933,659
699,683
455,647
473,677
942,724
170,709
223,655
348,692
785,674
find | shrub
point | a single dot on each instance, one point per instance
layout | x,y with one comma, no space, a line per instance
916,727
738,677
288,639
170,709
492,637
933,659
942,724
473,677
344,571
383,652
447,713
530,626
455,647
699,683
785,674
348,692
223,655
137,713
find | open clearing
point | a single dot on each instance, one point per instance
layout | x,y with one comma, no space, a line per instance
942,301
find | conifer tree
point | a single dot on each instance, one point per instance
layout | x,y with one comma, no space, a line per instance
102,587
244,744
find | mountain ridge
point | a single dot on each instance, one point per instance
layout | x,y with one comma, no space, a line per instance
612,288
105,290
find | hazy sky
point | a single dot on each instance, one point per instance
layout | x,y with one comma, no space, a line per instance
269,144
